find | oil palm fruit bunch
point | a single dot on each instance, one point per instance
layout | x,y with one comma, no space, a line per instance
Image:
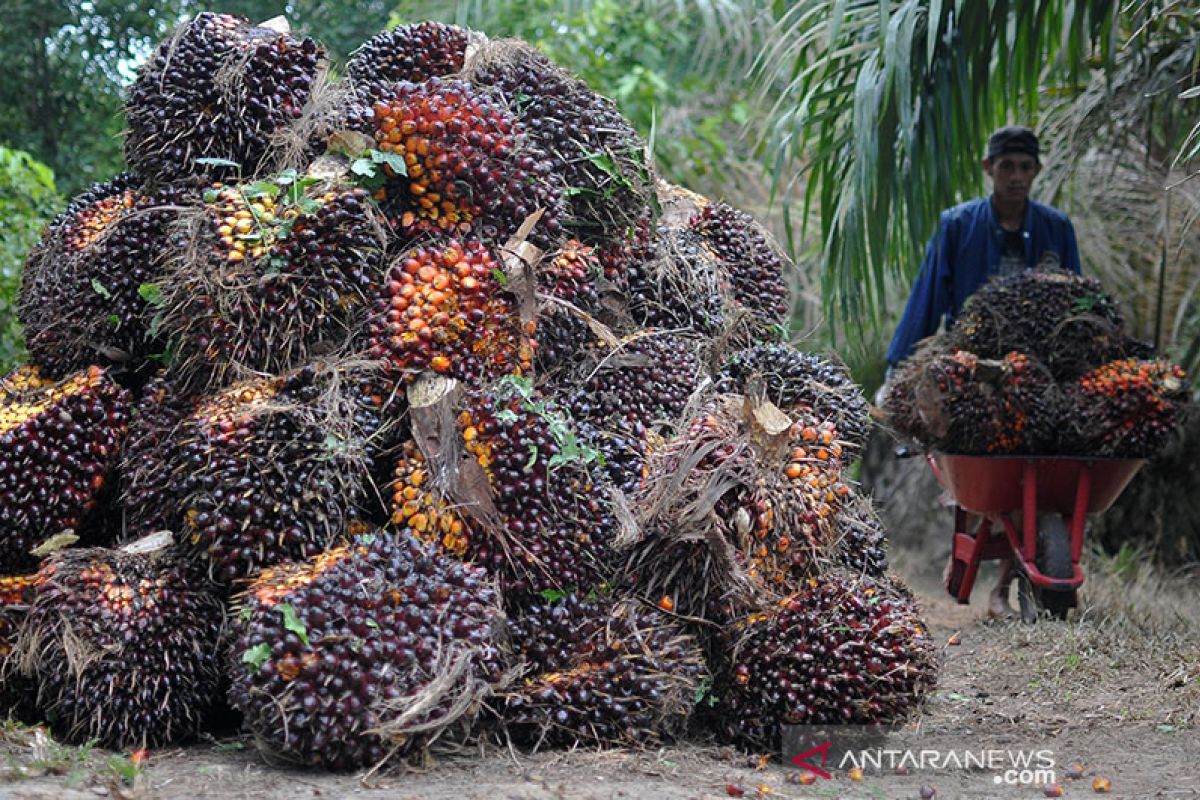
1128,408
17,692
271,273
373,648
545,521
973,405
673,282
59,441
737,510
752,266
600,673
124,647
89,288
626,393
862,540
461,164
844,650
412,53
444,308
899,404
268,470
567,289
793,380
419,507
212,96
593,149
1065,320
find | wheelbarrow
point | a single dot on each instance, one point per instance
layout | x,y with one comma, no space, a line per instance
1053,494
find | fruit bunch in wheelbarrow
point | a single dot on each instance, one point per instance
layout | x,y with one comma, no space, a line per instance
409,409
1038,363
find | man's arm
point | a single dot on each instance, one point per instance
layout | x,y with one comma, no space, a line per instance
930,297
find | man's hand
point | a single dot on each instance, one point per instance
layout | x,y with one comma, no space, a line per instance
881,392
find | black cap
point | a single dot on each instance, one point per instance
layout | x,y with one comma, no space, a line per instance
1012,139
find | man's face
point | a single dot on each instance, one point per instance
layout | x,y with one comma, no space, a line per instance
1012,175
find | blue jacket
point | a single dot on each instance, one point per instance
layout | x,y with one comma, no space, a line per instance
963,253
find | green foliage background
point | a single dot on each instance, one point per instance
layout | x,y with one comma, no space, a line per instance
27,199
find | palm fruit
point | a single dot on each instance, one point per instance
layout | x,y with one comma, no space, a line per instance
629,391
1126,408
542,513
623,252
58,444
862,540
567,291
1064,319
91,286
794,380
412,53
418,507
17,692
594,150
443,308
123,646
969,405
218,88
265,471
736,509
468,167
371,649
751,264
673,283
269,277
844,650
599,673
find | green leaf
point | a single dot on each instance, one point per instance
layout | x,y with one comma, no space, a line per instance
218,162
499,275
114,321
261,189
211,195
533,456
292,622
256,656
372,624
286,177
99,289
554,595
394,161
507,415
151,293
364,167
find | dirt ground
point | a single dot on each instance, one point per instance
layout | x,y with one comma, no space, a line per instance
1116,691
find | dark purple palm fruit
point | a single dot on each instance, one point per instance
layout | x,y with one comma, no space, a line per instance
59,443
123,646
412,53
845,650
594,153
213,95
794,380
266,471
540,505
750,263
567,296
372,649
600,673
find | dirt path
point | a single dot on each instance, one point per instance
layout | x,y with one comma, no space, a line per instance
1086,692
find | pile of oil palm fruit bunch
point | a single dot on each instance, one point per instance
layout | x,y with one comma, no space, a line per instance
1038,362
412,409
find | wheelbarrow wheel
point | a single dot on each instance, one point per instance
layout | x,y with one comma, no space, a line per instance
1054,560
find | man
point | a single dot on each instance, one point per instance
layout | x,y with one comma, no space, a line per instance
978,240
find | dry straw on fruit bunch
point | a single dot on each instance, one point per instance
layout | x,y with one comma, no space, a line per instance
470,425
1038,362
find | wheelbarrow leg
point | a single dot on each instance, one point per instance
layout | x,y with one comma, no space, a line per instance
966,554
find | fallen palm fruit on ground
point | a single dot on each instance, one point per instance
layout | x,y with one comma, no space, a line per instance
468,425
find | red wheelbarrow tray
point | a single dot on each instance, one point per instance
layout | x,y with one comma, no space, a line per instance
997,486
